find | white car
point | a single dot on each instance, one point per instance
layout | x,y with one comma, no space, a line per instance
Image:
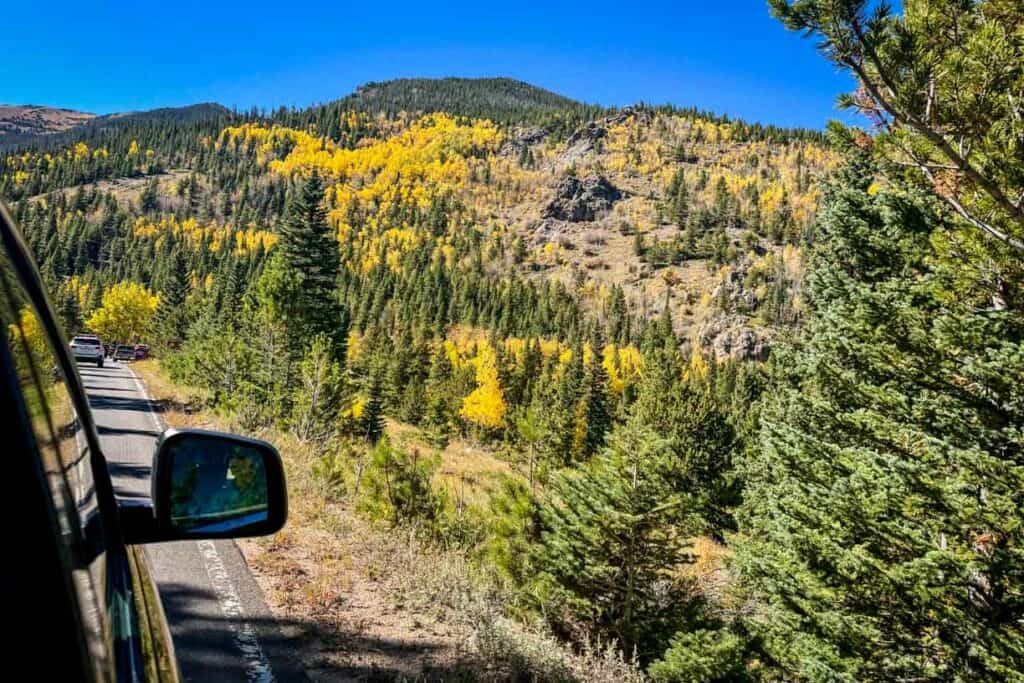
86,347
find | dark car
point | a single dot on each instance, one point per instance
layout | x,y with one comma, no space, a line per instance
124,352
74,577
141,352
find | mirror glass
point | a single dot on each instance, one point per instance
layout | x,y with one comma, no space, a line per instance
217,484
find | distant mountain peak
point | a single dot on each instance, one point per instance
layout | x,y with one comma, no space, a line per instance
498,98
30,125
34,119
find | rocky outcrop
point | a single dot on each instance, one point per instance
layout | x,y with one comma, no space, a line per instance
741,344
583,142
583,199
731,338
522,139
549,230
585,139
732,295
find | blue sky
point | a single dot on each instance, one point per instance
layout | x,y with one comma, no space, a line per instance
729,57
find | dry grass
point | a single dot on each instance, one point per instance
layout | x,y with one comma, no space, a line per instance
127,190
469,473
178,406
709,568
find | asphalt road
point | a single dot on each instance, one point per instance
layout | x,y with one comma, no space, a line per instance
222,628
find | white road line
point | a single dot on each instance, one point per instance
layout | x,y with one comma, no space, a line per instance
145,394
257,666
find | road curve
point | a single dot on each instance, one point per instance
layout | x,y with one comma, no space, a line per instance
222,628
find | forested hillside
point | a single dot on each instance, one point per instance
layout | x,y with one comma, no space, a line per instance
691,398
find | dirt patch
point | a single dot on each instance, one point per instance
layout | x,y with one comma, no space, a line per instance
346,584
127,190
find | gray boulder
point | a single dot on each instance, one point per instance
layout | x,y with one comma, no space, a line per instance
731,338
578,200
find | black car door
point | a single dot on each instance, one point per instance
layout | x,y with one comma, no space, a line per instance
51,434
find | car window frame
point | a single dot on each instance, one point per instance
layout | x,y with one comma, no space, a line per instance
123,636
29,280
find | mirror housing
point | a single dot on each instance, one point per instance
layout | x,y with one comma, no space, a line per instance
209,485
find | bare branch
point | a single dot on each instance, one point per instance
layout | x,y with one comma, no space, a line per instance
931,99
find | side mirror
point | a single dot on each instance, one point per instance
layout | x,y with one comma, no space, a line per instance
210,485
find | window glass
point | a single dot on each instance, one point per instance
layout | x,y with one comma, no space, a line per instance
63,450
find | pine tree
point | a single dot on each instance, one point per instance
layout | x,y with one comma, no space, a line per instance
309,250
565,415
320,396
170,320
882,525
70,315
698,433
149,198
396,486
372,427
612,541
440,409
597,403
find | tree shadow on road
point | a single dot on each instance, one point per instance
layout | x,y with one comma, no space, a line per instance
118,403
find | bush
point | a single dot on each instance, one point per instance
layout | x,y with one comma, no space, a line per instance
395,486
335,470
703,656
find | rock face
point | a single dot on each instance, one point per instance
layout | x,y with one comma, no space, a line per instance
522,139
581,200
737,298
730,338
583,142
585,139
741,344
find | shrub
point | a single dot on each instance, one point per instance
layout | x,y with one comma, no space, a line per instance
395,486
702,656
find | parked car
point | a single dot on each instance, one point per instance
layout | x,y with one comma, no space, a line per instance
87,347
124,352
141,352
75,573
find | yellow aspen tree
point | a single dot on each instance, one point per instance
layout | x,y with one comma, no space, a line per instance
126,313
485,405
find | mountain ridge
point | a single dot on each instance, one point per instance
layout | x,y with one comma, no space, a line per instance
504,100
28,119
75,123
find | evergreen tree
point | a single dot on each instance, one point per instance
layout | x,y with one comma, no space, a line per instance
598,411
320,395
372,422
441,402
70,315
698,434
149,198
308,249
882,525
612,540
171,318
